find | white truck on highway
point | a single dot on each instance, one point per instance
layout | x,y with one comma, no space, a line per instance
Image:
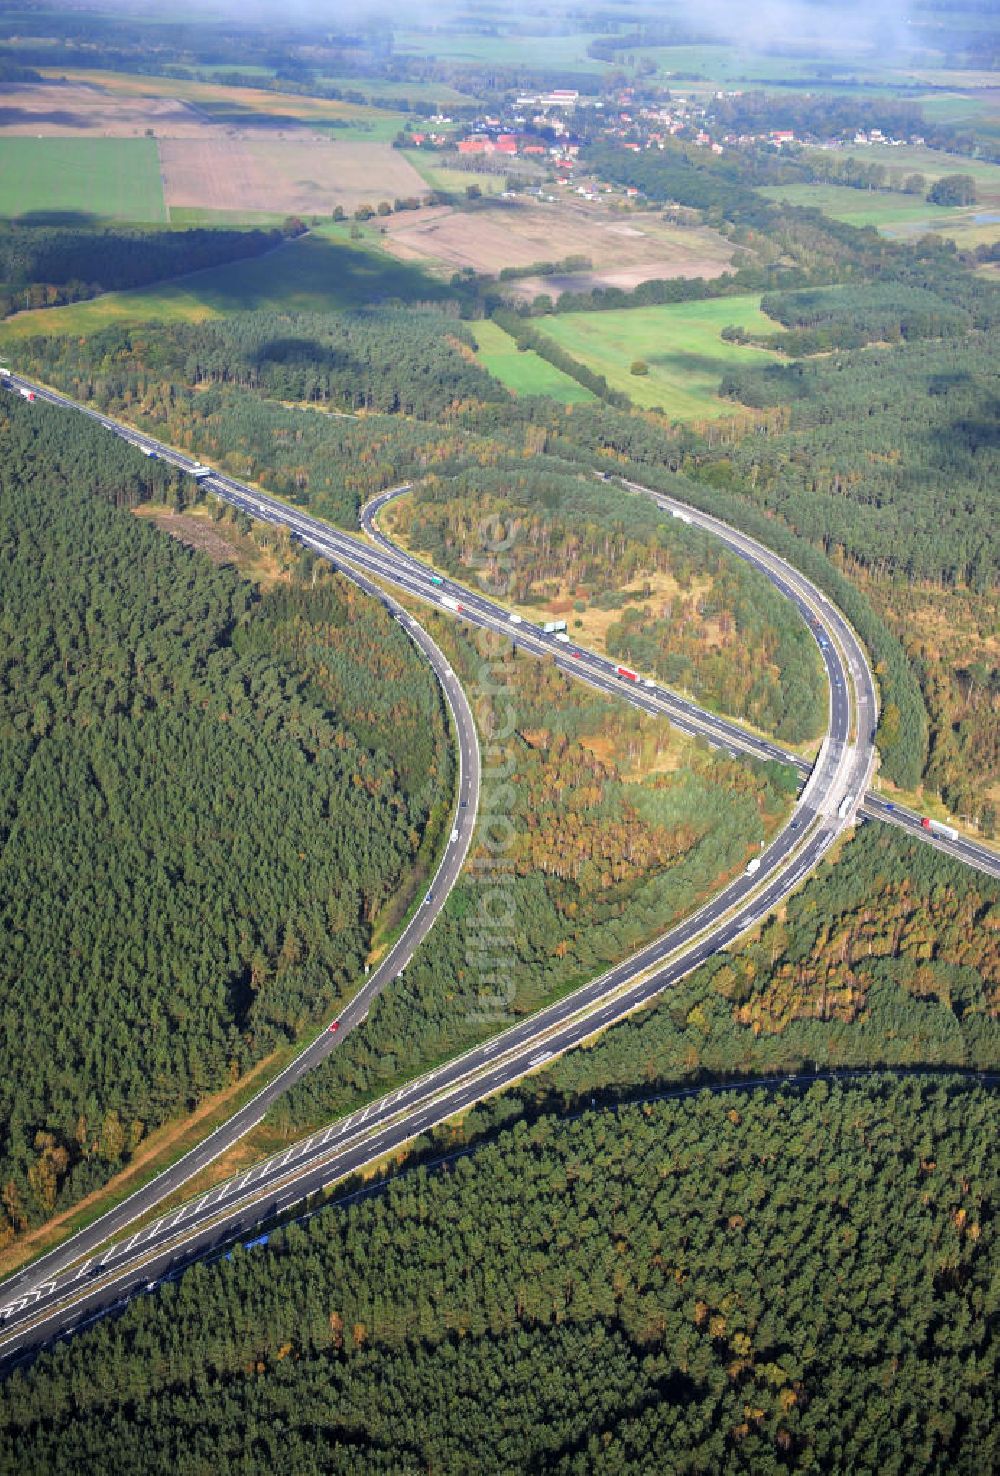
553,627
199,471
938,827
450,602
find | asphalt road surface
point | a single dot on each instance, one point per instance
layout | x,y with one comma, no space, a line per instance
388,563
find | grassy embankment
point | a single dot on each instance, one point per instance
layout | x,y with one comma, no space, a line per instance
525,373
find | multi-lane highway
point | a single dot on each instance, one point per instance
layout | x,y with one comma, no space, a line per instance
72,1284
387,562
651,697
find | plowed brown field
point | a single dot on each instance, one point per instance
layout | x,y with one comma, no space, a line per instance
298,173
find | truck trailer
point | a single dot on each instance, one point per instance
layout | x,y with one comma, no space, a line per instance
936,827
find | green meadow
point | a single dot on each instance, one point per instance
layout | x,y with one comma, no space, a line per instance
524,373
58,179
453,181
880,208
680,344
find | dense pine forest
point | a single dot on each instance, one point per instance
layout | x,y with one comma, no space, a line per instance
223,389
840,467
206,799
750,1228
208,388
586,1295
690,612
890,456
889,956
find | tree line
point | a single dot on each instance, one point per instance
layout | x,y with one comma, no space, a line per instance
332,464
874,439
611,837
723,633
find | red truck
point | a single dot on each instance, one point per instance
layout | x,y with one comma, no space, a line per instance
630,676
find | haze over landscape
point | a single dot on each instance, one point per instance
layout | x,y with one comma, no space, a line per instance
499,737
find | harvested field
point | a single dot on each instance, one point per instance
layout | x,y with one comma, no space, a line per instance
623,252
302,173
218,104
77,109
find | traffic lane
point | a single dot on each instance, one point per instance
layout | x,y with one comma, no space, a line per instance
515,1067
965,851
403,569
475,600
782,574
168,1267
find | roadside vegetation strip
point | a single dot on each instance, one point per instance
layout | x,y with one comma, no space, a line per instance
352,1132
800,755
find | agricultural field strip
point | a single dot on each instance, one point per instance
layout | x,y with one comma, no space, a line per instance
838,754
